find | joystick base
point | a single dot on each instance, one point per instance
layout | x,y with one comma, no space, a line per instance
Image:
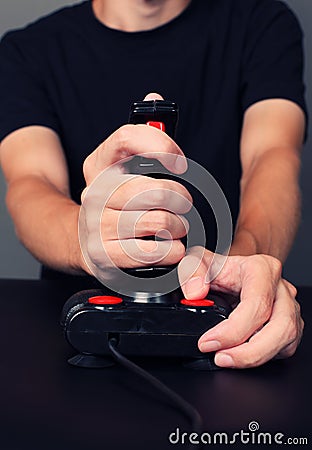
91,361
204,364
169,328
102,362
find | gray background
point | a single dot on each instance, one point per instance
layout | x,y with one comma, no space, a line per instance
16,262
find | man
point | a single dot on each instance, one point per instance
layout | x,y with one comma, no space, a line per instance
234,67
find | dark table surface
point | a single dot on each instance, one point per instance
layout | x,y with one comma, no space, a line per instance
47,404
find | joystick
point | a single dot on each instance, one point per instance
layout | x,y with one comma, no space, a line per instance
143,323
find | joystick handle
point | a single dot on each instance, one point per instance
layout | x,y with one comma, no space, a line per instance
161,114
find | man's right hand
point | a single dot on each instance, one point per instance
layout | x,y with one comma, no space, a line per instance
133,206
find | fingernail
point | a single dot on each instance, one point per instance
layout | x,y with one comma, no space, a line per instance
180,164
224,360
194,287
210,346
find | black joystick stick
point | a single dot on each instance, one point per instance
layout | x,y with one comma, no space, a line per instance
163,115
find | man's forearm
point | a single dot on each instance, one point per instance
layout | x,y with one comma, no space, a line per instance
46,222
270,205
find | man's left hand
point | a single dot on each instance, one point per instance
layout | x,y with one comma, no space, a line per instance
267,321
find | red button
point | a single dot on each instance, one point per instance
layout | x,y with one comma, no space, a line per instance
160,125
187,302
105,300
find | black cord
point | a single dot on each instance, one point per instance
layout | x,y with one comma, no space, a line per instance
186,408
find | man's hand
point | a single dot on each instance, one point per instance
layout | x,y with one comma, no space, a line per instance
265,324
134,206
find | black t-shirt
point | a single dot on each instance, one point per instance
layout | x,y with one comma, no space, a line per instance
73,74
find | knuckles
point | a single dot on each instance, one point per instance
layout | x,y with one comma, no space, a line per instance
87,167
96,251
153,221
276,265
121,139
249,360
158,196
160,193
263,261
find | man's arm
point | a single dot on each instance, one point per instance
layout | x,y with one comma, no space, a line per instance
45,218
271,141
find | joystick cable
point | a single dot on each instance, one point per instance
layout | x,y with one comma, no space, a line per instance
186,408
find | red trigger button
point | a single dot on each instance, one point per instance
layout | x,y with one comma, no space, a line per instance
160,125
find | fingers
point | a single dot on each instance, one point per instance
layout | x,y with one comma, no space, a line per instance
144,193
279,337
267,322
124,207
132,253
192,272
131,140
129,224
196,271
113,242
103,224
132,192
254,309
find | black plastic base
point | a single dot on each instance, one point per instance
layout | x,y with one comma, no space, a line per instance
201,364
103,362
91,361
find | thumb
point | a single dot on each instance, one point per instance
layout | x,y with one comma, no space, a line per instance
153,96
192,271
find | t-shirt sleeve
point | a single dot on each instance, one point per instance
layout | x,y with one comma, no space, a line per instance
273,56
24,99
